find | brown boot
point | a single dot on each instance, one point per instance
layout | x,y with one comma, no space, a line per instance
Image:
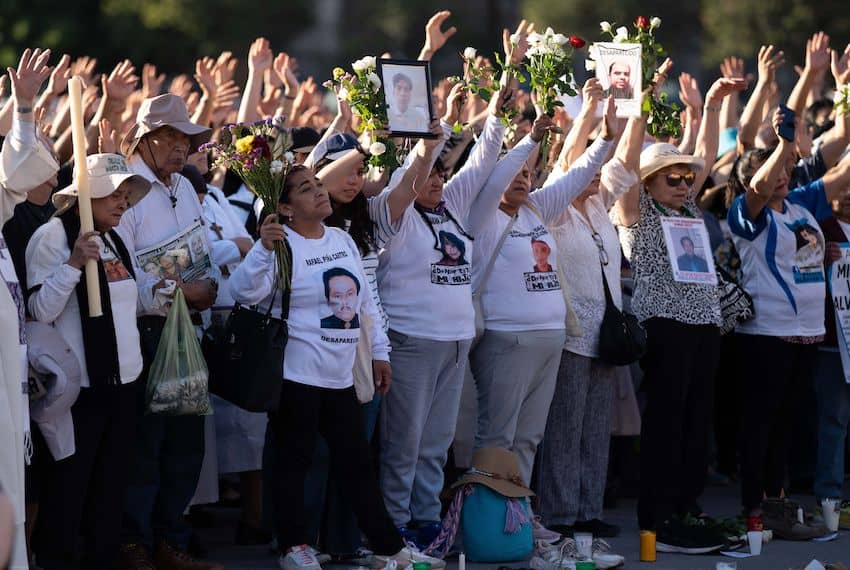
134,557
170,558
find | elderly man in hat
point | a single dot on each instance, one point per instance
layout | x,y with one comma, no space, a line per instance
169,449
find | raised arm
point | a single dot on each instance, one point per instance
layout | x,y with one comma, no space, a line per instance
837,139
691,96
769,59
817,62
435,37
627,208
763,184
259,59
709,132
733,68
837,179
576,141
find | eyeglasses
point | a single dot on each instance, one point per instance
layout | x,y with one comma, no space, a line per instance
674,180
603,255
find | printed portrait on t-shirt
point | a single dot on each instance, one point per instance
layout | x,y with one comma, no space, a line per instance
342,294
808,260
541,251
454,250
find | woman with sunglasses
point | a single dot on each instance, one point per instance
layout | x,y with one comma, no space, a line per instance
681,320
518,279
777,234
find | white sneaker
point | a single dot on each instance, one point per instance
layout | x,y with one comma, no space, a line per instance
551,557
322,557
540,532
406,557
603,557
299,558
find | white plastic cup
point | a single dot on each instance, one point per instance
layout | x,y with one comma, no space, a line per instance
831,514
584,545
726,566
754,538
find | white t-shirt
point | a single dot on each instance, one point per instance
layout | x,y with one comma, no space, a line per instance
56,301
782,263
328,289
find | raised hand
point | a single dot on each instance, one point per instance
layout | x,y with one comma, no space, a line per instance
516,45
661,74
29,77
817,52
59,78
592,93
769,60
107,138
689,91
151,82
121,82
612,127
269,103
454,104
84,69
841,66
259,56
181,86
435,37
284,66
542,124
501,101
205,76
723,87
732,67
225,67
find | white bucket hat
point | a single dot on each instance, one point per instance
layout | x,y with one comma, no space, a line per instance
661,155
166,110
57,370
106,173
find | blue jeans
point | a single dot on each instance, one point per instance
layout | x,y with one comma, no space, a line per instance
834,415
164,471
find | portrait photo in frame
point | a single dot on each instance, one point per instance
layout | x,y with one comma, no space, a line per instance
407,92
618,69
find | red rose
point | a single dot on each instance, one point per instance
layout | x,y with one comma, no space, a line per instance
577,42
641,22
261,144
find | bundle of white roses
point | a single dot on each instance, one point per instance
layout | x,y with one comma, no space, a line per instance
663,119
550,67
362,91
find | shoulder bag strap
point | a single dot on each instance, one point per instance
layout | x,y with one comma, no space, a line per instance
496,251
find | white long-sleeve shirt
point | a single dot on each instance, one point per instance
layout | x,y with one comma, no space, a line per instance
425,270
329,288
523,291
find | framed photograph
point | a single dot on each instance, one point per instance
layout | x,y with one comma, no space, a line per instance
407,93
689,250
618,69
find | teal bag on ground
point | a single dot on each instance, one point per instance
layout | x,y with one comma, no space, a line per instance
177,380
483,521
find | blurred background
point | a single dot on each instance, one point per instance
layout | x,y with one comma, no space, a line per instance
172,34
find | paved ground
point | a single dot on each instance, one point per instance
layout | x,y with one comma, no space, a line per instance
719,501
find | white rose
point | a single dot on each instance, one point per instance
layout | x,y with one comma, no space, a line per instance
359,65
606,26
370,61
469,53
514,39
276,167
534,38
590,65
374,80
593,52
655,22
289,157
622,34
560,39
344,94
549,32
377,148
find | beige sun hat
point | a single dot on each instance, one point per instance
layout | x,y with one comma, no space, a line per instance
166,110
661,155
497,469
106,173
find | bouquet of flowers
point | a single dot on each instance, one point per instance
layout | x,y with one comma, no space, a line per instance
663,117
259,154
360,89
550,67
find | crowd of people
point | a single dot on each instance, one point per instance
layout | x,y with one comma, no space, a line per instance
438,311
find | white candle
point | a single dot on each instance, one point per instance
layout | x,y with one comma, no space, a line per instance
461,561
78,132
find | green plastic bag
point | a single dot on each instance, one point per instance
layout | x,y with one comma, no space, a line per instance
177,381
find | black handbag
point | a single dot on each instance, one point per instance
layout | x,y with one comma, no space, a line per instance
621,338
245,356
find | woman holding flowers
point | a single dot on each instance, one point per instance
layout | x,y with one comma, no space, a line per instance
682,322
327,293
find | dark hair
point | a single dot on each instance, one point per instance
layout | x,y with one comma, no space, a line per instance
613,63
195,177
684,239
743,170
454,240
534,241
337,272
812,111
798,233
399,77
287,182
362,229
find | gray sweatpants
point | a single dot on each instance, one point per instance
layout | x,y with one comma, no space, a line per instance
418,424
574,454
515,376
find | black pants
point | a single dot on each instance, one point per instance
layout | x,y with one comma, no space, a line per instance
772,372
82,496
727,412
679,370
306,411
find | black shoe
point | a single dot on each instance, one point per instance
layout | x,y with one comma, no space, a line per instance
249,535
562,529
675,536
598,528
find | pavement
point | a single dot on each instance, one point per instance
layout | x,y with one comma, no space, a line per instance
718,501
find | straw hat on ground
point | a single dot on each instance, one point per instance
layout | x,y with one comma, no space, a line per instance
497,469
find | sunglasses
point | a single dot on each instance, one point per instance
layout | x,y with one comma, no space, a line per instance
674,180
